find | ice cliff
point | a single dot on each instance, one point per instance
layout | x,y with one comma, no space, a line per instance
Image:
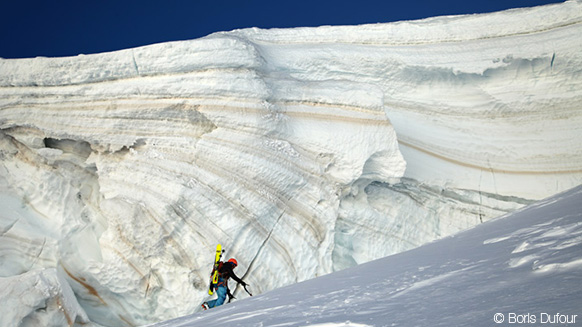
302,151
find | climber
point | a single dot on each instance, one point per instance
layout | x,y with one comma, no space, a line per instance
225,271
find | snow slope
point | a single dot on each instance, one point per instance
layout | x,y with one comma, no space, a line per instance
303,151
523,268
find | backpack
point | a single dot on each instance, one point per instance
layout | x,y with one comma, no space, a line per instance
221,273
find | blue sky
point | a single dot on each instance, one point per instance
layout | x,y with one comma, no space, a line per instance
66,28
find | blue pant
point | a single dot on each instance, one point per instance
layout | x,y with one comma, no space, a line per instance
221,293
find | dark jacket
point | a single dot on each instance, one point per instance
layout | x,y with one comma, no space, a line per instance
225,272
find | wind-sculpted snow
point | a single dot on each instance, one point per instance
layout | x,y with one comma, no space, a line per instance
301,151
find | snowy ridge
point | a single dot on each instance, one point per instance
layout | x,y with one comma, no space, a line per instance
441,29
523,268
304,151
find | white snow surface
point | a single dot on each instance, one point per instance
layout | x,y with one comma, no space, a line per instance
522,269
302,151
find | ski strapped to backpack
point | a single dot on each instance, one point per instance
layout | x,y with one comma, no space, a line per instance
214,279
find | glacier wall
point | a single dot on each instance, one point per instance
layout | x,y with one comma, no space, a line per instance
302,151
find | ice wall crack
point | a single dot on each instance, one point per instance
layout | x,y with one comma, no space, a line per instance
251,265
